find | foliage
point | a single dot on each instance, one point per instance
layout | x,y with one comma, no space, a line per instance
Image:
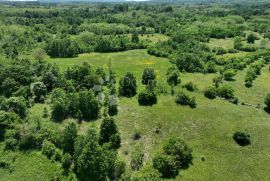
147,98
173,76
183,99
137,158
229,74
242,138
176,155
225,91
68,138
39,90
128,86
109,133
267,102
149,74
210,92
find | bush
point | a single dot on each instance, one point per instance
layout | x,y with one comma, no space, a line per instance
210,93
112,110
267,102
11,144
229,74
166,165
190,86
66,161
147,98
226,92
180,151
184,99
219,50
176,155
242,138
48,149
137,157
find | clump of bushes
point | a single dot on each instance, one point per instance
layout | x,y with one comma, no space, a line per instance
50,151
225,92
229,74
219,50
242,138
210,93
190,86
183,99
176,155
147,98
253,71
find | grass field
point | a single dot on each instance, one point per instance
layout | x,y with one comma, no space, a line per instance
207,129
224,43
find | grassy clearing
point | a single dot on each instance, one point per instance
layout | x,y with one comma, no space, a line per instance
225,43
27,166
208,129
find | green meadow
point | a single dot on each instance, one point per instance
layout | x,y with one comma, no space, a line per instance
207,129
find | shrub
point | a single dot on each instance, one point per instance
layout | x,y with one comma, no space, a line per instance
180,151
66,161
48,149
137,157
226,92
190,86
136,135
184,99
147,98
11,144
219,50
251,38
166,165
210,93
267,102
242,138
112,110
229,74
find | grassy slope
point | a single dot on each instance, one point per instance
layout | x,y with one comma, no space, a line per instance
207,129
28,166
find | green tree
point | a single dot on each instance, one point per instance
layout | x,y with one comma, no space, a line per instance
91,163
39,90
237,43
149,74
251,38
166,165
147,98
69,136
128,86
109,133
59,104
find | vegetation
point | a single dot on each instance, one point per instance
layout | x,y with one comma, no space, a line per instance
90,91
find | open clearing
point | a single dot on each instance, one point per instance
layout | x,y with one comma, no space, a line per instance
207,129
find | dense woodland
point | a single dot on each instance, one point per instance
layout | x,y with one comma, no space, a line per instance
34,34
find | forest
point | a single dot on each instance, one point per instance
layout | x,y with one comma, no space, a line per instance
134,91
